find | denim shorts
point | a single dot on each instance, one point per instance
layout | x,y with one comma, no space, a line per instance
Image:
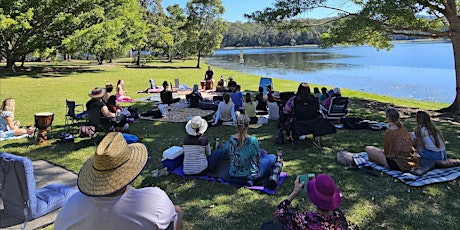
433,155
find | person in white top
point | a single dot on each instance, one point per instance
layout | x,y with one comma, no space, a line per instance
196,146
105,199
225,110
428,139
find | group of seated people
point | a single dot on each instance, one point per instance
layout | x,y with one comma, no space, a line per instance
105,115
247,161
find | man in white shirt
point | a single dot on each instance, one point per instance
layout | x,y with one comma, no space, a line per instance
105,199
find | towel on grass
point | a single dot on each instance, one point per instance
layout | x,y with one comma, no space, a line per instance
2,138
433,176
221,175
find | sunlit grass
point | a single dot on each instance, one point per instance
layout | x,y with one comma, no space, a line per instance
369,202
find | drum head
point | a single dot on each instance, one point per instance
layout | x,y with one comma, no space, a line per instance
44,114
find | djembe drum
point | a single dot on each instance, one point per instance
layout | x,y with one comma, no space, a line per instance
42,122
203,85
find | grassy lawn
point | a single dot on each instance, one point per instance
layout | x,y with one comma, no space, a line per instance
370,202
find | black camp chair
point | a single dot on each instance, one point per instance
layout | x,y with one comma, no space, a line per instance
75,114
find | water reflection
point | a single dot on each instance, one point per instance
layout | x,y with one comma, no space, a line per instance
423,71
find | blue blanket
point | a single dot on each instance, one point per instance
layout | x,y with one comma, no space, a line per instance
433,176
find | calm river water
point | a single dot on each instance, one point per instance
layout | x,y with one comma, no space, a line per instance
417,70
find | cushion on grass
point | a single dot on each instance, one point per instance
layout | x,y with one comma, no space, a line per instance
19,188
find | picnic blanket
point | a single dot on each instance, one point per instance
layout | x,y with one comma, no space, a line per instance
13,137
221,175
433,176
180,114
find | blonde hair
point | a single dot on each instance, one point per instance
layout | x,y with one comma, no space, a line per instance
8,105
242,123
393,116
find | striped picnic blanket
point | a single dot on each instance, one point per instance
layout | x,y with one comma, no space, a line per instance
433,176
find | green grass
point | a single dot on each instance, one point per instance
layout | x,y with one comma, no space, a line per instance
369,202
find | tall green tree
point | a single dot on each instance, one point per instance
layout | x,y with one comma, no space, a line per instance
121,30
36,25
158,33
376,21
205,27
175,22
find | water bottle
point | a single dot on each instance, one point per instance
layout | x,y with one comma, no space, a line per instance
275,171
117,113
217,143
303,137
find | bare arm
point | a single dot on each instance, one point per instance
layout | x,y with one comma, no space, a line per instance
297,188
105,111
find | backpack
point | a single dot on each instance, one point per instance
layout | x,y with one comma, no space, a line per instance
194,100
86,131
279,137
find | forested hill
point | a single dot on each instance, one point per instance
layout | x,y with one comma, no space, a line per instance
250,34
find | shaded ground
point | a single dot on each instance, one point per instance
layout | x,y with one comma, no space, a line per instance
406,112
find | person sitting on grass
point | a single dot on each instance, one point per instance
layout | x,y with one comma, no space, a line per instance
270,93
166,95
237,98
107,201
196,146
428,139
249,108
398,153
225,111
335,94
194,98
108,119
121,92
8,126
247,161
261,100
108,91
324,95
325,195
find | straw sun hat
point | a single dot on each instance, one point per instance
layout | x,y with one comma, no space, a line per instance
196,126
114,165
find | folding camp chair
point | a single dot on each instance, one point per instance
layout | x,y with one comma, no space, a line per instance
312,130
20,198
337,110
73,116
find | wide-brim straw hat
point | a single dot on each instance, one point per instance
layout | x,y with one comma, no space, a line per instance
97,92
114,165
196,126
323,193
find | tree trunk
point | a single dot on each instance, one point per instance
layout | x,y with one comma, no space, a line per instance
199,56
10,61
100,59
23,59
138,61
454,27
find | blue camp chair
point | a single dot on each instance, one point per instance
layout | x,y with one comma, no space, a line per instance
19,195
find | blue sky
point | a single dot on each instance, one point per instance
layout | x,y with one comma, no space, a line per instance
235,9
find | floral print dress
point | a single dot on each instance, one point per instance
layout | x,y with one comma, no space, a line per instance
308,220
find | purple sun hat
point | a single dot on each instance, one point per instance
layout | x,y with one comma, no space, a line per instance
323,193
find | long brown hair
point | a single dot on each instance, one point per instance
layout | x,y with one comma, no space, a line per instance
242,123
8,105
393,116
423,120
